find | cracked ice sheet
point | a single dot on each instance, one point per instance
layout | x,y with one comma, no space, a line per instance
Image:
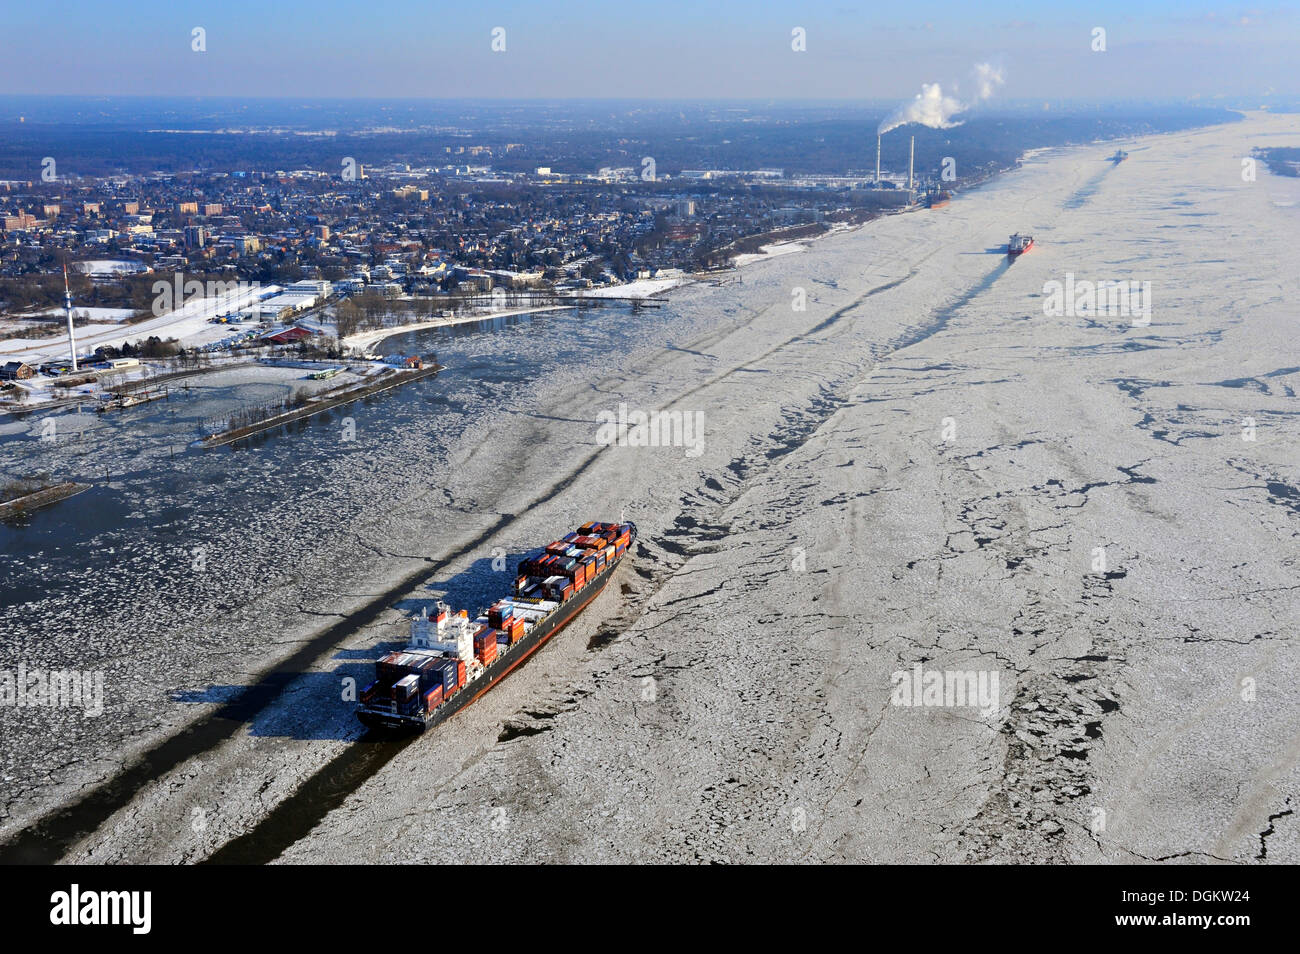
767,732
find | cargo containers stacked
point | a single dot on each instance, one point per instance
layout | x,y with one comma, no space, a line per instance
449,653
406,681
514,629
485,646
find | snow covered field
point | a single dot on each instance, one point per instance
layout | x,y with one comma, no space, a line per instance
641,288
95,314
191,324
921,469
768,251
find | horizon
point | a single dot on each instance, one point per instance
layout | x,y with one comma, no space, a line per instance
729,52
867,101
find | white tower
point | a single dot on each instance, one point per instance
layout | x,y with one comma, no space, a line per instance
67,307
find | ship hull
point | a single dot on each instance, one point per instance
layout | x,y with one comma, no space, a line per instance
517,655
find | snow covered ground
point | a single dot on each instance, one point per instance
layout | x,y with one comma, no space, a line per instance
641,288
923,468
774,250
96,314
109,266
191,324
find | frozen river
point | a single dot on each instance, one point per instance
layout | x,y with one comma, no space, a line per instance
921,471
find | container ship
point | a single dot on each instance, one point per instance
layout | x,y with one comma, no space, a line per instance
1018,245
452,660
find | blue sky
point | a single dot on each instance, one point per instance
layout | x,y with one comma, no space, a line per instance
667,49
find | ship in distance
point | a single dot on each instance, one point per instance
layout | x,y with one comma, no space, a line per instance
452,660
1119,156
936,198
1018,245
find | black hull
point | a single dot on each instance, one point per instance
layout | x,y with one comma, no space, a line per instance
516,656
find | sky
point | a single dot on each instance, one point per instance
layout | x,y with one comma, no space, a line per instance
670,49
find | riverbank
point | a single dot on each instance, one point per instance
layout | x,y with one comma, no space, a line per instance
367,339
41,498
394,378
117,383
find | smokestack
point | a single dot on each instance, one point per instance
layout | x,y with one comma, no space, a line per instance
67,307
877,158
911,160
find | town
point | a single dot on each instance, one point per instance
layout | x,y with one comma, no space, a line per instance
399,230
173,265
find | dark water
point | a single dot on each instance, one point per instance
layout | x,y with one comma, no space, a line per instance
158,506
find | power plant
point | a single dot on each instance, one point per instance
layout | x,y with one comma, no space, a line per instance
911,164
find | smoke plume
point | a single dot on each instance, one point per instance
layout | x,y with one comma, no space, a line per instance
932,108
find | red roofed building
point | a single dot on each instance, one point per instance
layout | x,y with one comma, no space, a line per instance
287,335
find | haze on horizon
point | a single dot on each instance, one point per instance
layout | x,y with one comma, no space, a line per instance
674,49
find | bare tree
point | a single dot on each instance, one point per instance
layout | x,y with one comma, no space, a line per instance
347,318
